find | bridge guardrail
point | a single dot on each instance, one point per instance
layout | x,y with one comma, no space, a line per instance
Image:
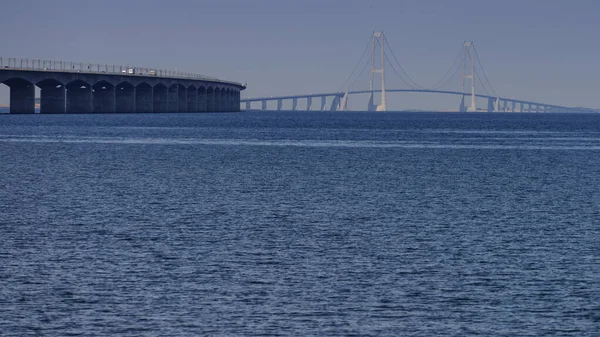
93,68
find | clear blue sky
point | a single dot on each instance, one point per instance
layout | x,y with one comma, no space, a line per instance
543,50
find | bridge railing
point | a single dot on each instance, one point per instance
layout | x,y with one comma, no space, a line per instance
81,67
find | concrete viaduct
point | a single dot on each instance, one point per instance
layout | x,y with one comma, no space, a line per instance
67,87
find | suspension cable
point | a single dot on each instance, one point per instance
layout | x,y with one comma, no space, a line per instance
415,84
359,75
482,84
400,76
455,65
356,67
483,70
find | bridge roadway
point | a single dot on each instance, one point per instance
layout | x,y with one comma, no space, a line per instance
501,104
67,87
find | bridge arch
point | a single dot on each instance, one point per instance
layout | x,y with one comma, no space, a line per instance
173,98
181,98
22,95
160,98
217,100
125,97
210,99
103,97
143,97
192,98
201,99
52,96
79,97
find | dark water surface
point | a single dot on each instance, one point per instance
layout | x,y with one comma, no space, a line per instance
348,224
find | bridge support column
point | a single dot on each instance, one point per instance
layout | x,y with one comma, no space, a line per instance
279,104
143,98
294,104
227,101
103,98
160,98
264,105
181,98
537,108
125,98
514,106
216,99
22,96
173,98
210,100
490,104
521,107
192,99
344,103
52,98
79,97
308,103
335,103
201,100
323,102
248,106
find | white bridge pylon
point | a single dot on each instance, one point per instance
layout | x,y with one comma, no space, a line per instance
468,51
377,39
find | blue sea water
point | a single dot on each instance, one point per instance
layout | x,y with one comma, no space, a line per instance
281,224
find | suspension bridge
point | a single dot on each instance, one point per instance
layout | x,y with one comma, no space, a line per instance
466,79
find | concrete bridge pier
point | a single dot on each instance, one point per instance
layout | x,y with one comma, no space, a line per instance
173,104
202,99
308,103
514,106
22,96
160,98
217,100
192,99
52,97
181,98
279,104
143,98
79,97
294,104
323,102
522,107
490,104
264,105
228,100
210,103
335,103
103,97
125,98
248,106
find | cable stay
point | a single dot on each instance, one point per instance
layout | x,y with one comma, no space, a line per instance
356,67
414,84
351,87
445,79
483,71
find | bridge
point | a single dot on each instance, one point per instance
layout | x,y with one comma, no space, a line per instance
339,100
68,87
466,72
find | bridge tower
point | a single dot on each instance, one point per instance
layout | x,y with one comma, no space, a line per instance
468,73
378,38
